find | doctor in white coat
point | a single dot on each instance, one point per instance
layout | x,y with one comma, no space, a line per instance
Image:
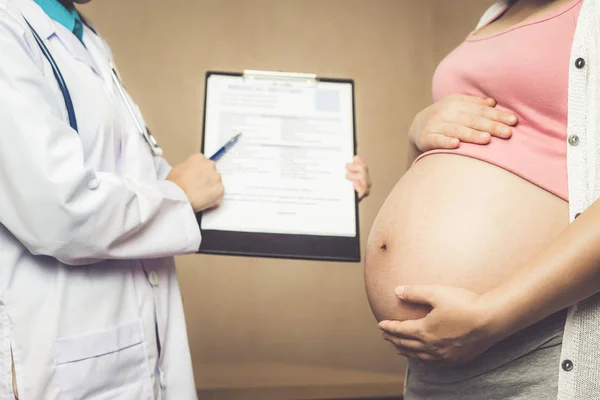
90,218
90,306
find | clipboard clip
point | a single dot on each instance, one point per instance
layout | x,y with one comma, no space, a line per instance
281,77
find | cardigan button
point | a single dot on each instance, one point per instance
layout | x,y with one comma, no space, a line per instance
573,140
580,63
577,215
567,365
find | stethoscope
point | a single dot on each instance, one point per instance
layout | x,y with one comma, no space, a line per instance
144,131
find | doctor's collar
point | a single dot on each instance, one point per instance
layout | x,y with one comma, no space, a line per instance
41,22
64,13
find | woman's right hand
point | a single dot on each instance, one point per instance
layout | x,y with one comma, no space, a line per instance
459,118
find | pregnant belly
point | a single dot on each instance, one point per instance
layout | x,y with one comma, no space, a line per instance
454,220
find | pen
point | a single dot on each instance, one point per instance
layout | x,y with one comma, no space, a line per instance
225,147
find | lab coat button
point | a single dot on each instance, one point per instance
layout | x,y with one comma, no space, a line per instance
93,184
153,277
163,380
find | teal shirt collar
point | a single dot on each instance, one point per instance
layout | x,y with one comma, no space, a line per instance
69,18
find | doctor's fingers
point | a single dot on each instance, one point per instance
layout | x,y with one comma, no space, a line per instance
357,176
208,191
360,176
361,184
358,161
354,167
213,206
219,192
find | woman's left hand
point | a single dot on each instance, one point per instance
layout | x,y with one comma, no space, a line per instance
358,173
458,328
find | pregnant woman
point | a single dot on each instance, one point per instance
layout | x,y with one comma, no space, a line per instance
475,264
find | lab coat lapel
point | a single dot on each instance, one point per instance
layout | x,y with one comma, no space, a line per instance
76,48
47,28
36,17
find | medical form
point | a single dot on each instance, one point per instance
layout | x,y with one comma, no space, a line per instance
285,178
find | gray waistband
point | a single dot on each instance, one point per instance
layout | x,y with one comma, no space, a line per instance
546,333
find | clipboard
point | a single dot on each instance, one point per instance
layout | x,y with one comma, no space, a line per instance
272,244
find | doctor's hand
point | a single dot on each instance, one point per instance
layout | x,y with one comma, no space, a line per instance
459,118
199,179
459,327
358,172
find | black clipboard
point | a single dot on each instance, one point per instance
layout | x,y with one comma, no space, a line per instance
277,245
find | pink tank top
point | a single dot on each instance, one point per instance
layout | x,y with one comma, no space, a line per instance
526,69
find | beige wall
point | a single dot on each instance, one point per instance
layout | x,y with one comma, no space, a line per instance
248,310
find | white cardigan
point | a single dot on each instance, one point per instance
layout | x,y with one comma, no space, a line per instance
579,369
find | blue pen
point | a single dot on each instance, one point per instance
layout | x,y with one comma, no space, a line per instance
225,147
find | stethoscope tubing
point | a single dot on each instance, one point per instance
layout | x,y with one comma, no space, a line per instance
59,78
154,148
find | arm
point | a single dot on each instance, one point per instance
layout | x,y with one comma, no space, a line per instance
55,204
566,272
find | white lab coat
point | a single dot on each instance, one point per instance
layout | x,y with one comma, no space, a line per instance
88,228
